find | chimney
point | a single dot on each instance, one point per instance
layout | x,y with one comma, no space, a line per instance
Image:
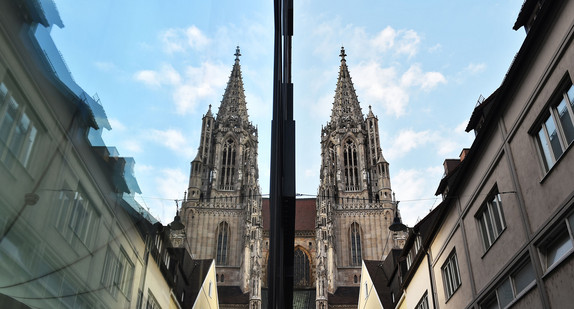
464,153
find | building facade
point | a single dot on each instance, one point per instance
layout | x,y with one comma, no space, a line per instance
222,209
504,236
226,220
70,232
355,202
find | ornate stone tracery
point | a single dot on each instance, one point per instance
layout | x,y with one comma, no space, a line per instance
224,194
354,192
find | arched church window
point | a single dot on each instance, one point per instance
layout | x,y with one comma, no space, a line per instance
222,243
355,235
228,165
351,166
301,268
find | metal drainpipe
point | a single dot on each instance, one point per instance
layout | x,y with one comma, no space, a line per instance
144,270
430,278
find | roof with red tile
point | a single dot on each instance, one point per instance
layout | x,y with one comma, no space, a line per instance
305,213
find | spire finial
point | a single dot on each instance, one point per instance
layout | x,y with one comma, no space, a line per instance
342,55
237,53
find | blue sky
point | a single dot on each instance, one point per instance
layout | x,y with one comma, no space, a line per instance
421,65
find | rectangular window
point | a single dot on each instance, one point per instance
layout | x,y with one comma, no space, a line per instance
451,275
77,218
556,132
559,244
490,219
17,130
151,301
510,288
118,273
423,303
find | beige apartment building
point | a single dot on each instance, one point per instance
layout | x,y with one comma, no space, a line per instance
504,234
71,235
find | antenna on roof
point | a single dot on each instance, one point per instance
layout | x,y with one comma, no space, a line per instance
480,100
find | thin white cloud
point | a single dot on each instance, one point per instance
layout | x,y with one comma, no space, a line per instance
475,68
116,124
311,172
190,87
415,76
195,38
435,48
385,39
148,77
176,40
172,139
461,127
408,140
408,43
380,86
415,189
132,146
445,142
105,66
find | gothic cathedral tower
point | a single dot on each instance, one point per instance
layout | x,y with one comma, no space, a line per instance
355,204
222,209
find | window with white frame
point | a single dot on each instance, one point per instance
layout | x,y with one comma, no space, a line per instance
558,244
118,273
451,275
151,303
17,129
490,220
424,302
76,217
556,131
511,288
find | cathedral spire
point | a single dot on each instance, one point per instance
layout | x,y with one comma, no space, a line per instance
233,105
346,106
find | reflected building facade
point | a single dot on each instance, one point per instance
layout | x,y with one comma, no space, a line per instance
227,220
71,233
222,209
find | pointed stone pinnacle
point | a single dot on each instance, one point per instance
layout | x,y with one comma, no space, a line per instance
237,53
342,55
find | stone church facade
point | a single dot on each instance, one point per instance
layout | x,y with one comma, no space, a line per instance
227,220
222,209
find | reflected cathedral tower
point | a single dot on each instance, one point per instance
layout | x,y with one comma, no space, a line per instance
355,203
222,209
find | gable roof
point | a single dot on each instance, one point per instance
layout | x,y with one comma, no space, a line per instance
305,213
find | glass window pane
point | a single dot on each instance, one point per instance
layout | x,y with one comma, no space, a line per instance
565,121
8,120
28,146
19,134
545,149
490,304
554,139
523,277
570,94
497,217
489,227
504,292
558,248
3,93
485,239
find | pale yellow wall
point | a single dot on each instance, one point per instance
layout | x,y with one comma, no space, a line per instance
156,283
204,298
419,284
368,297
